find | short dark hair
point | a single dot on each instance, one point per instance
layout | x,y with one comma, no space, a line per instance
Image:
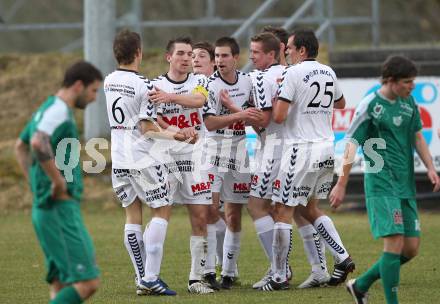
171,43
229,41
125,46
207,46
83,71
279,32
398,67
269,42
306,38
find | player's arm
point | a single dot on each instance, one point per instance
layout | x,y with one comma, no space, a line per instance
280,110
42,148
214,122
194,100
423,151
23,155
340,103
151,129
337,194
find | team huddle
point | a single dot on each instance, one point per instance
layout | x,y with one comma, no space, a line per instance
187,135
180,138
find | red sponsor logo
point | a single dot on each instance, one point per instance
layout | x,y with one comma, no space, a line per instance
277,184
181,121
254,180
342,119
200,187
236,126
211,178
241,187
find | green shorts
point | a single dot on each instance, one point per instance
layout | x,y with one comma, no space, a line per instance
392,215
67,246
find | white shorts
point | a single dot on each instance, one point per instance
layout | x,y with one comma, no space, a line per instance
233,186
263,180
306,172
150,185
189,183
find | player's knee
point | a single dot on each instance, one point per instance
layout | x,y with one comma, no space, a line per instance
152,249
234,222
87,288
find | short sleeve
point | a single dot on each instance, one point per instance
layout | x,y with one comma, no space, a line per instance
25,134
360,125
286,90
338,91
53,117
148,110
211,104
263,92
417,122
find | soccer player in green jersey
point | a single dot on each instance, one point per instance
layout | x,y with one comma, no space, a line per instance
388,118
48,141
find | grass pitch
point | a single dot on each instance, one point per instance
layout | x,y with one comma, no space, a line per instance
22,266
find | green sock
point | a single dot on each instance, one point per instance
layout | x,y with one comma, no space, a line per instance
390,273
67,295
367,279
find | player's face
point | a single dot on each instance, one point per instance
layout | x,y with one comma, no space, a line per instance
87,94
225,61
201,62
293,54
260,59
180,58
402,87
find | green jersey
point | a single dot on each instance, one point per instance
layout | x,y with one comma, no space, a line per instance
396,122
56,119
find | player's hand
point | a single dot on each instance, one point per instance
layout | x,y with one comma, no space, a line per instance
225,99
435,180
252,116
189,135
337,195
59,189
158,96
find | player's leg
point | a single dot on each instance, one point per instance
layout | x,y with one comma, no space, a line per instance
152,186
133,240
282,234
74,254
231,247
326,228
211,232
314,248
54,287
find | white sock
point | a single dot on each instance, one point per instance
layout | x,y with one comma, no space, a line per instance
212,244
281,244
231,250
220,235
135,246
324,225
264,228
154,238
198,247
314,247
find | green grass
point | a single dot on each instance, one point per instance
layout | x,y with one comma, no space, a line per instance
22,267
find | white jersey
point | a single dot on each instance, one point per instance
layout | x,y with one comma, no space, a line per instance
240,93
126,93
311,88
266,84
180,116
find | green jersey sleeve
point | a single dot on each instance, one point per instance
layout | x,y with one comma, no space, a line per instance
25,134
417,122
360,125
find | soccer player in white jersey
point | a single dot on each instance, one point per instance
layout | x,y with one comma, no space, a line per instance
312,241
306,98
136,176
226,145
182,95
264,53
203,62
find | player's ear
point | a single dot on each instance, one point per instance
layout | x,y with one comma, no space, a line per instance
78,86
168,57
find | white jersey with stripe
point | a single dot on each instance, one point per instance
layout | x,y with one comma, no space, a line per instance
126,94
178,115
266,84
311,88
240,93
